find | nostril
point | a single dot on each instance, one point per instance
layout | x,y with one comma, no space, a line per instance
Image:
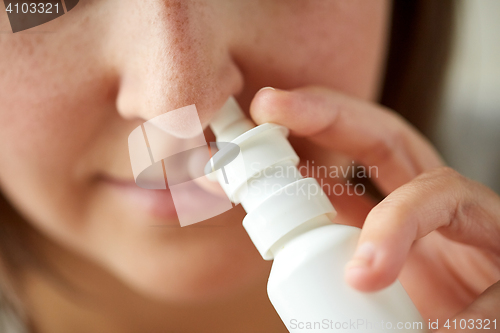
196,166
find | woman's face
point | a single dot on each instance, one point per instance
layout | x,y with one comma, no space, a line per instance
73,89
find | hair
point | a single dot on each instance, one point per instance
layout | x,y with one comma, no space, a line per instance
419,46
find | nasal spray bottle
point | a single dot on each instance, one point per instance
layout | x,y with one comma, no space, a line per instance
290,220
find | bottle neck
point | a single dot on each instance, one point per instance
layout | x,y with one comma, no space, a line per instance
265,180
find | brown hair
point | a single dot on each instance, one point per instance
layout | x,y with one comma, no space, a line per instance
15,254
419,47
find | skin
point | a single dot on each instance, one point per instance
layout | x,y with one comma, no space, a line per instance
70,97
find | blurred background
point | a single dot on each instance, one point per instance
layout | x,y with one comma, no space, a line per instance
468,130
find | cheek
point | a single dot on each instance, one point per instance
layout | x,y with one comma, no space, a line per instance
337,44
46,125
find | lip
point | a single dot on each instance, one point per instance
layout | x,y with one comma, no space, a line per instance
156,203
191,199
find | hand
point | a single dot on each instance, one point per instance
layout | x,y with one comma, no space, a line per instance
436,230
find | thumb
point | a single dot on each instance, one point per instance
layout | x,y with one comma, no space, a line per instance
481,315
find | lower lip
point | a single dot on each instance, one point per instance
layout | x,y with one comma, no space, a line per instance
159,204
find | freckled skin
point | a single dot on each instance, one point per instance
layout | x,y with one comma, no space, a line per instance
70,97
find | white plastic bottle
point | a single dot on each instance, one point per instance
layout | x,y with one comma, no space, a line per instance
290,220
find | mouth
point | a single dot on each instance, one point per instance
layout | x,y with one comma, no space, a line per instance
156,203
182,204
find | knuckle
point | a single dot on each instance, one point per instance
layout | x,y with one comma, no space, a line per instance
460,204
395,208
385,148
447,174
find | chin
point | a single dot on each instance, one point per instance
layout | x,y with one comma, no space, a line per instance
197,265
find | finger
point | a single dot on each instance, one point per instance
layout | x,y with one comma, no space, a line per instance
370,134
481,315
441,199
351,204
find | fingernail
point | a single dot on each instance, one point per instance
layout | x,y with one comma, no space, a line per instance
363,257
266,88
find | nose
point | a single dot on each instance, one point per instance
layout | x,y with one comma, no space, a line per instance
170,54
